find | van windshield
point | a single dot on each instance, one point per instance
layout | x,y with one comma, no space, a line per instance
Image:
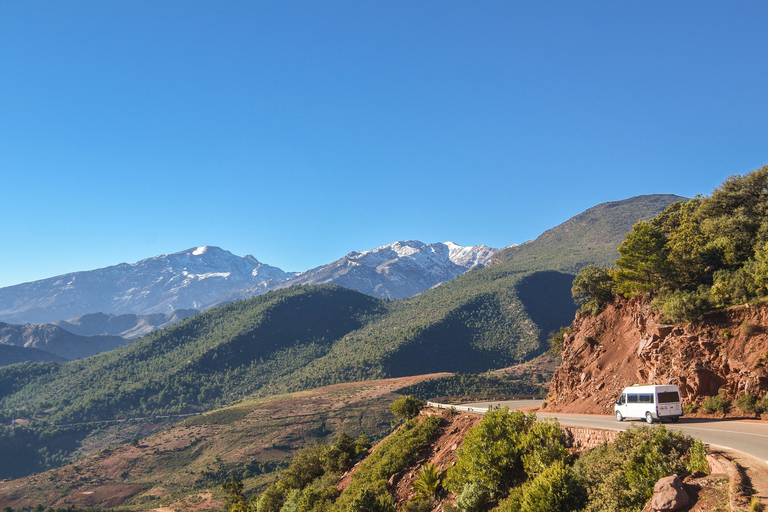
668,397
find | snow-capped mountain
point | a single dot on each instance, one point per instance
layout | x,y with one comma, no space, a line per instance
398,270
203,277
395,271
183,280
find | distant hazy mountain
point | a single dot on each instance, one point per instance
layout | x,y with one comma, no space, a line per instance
56,341
11,354
126,326
395,271
184,280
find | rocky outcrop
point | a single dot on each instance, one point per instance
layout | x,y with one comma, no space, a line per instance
668,495
627,344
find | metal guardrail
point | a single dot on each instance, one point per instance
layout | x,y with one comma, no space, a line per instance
487,398
464,408
475,409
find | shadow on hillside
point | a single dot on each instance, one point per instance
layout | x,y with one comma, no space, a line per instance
548,301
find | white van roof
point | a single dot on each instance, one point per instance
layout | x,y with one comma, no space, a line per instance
649,387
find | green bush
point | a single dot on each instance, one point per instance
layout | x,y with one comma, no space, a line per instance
407,407
717,403
682,306
557,340
593,287
427,483
473,498
619,477
690,408
556,489
749,404
491,456
504,450
543,446
372,500
697,458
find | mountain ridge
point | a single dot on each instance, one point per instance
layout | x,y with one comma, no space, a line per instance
183,280
56,341
204,277
394,271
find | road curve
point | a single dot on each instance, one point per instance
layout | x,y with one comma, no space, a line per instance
747,436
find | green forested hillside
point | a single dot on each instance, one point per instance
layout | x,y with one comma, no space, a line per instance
307,336
588,238
706,254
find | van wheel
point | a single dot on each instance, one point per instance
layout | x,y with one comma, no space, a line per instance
649,418
675,419
619,417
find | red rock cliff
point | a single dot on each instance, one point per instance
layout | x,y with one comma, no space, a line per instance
626,344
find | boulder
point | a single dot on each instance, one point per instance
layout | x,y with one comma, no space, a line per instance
668,495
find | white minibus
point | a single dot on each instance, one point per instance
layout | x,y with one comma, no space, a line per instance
650,402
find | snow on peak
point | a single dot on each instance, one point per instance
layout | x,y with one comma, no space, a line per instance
200,251
470,256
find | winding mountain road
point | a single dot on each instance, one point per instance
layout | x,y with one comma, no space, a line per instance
747,436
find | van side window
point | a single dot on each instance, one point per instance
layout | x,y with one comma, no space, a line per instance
631,399
646,398
622,400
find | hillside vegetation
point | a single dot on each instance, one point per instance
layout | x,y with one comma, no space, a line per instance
507,462
589,238
181,466
705,254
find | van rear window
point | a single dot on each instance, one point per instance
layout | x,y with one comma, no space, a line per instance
668,397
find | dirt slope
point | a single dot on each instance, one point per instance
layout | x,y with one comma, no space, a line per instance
182,468
627,344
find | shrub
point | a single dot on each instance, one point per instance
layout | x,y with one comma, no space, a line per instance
407,407
372,500
427,483
749,404
418,506
717,403
592,288
556,489
543,446
492,454
472,498
682,306
697,458
557,340
396,452
749,329
690,408
619,477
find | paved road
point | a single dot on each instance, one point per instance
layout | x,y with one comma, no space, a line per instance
748,436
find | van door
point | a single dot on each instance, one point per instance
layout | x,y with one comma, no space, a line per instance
668,403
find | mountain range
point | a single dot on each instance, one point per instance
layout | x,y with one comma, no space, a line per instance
184,280
204,277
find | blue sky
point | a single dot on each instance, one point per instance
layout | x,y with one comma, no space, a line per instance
300,131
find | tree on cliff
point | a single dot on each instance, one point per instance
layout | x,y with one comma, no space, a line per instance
705,254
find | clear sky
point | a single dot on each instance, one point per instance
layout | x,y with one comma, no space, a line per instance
298,131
